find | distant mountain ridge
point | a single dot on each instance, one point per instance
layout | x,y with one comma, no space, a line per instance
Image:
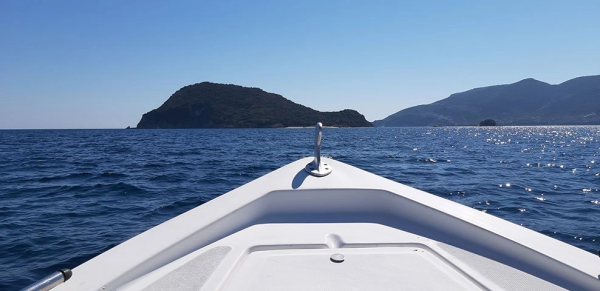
212,105
527,102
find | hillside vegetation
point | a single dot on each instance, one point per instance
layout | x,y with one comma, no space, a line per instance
210,105
527,102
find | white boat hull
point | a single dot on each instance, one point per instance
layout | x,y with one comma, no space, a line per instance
280,231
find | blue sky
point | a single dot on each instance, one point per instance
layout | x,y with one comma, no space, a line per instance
102,64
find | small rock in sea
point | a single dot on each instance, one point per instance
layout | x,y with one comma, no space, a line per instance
488,122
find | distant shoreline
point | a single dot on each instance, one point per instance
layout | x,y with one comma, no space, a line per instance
301,127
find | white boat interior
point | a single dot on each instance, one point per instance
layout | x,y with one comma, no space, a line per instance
347,229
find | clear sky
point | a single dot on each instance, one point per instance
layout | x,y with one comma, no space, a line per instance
102,64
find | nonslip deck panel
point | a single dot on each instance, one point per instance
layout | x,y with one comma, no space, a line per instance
192,275
504,276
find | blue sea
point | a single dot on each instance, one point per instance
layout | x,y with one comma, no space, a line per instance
69,195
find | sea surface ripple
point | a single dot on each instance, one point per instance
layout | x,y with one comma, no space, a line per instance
69,195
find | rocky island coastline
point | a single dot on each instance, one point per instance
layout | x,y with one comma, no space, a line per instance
212,105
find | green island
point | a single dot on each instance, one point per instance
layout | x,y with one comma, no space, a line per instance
212,105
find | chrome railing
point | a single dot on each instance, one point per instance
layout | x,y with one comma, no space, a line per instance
50,281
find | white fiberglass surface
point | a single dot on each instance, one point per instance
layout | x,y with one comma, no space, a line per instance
295,256
347,195
406,268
